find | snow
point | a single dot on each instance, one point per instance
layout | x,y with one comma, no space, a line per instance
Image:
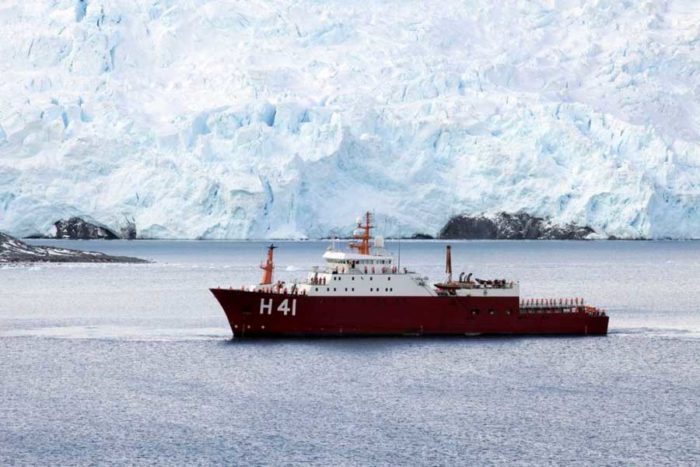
217,119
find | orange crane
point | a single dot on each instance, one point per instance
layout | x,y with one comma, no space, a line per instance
268,267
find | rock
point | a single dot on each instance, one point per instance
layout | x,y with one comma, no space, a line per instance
128,231
77,228
421,236
505,226
13,250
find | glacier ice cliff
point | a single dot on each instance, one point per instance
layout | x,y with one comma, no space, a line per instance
218,119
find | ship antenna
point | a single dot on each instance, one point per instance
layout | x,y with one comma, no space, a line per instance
399,250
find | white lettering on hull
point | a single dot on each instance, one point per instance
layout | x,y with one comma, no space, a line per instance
284,308
265,306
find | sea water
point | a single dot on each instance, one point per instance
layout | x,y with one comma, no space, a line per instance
134,364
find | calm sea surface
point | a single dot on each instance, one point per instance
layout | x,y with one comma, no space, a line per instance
134,364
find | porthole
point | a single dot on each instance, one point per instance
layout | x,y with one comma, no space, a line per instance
492,312
475,311
508,312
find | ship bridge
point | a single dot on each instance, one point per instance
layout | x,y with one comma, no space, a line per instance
341,262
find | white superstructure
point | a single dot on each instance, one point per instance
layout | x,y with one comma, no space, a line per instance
356,274
353,274
371,272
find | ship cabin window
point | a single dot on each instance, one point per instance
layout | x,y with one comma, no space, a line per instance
346,289
508,312
333,289
352,278
388,278
370,277
475,311
371,290
316,289
353,289
492,312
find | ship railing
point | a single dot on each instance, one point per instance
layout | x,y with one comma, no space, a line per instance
488,285
563,305
282,291
368,270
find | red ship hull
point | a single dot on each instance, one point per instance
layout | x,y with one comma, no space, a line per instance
261,314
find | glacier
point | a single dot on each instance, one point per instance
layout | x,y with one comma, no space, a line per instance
274,119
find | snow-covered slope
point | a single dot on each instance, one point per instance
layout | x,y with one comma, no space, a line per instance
266,118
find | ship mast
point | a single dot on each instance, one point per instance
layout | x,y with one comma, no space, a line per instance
448,263
362,233
268,267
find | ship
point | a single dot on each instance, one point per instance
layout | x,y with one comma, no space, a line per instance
362,292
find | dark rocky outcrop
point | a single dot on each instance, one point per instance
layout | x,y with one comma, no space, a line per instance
128,231
505,226
13,250
77,228
420,236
